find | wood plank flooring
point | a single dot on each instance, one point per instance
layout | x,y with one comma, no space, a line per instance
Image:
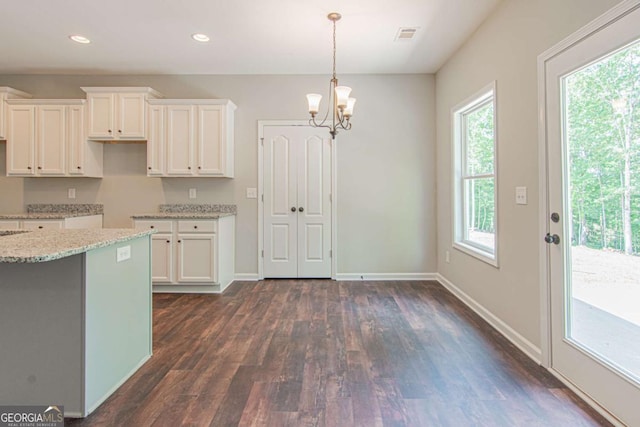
325,353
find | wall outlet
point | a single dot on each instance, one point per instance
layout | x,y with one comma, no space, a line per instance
521,195
252,193
447,257
123,253
192,193
71,193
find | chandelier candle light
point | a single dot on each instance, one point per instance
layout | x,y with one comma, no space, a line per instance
338,97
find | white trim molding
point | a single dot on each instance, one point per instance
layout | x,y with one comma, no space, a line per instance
507,331
246,277
385,276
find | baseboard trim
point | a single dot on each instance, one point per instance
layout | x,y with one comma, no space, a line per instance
385,276
507,331
246,277
591,402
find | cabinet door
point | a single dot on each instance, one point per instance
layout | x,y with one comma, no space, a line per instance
9,224
162,258
51,140
155,141
180,133
131,118
21,140
196,258
3,127
76,140
211,140
101,115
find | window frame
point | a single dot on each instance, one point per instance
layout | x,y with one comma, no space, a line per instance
486,95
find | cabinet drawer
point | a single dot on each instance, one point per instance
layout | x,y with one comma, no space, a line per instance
161,226
43,225
197,226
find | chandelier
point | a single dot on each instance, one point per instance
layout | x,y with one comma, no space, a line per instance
340,105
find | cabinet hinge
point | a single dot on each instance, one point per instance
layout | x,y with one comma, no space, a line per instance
262,197
263,253
330,197
330,253
262,141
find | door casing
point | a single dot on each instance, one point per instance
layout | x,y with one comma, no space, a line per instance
334,185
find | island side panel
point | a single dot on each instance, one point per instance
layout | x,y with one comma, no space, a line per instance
41,333
118,317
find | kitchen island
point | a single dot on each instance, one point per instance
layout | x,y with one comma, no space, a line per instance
75,315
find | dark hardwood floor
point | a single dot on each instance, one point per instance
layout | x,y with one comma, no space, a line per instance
324,353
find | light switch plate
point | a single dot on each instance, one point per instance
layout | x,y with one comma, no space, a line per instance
521,195
123,253
71,193
192,193
252,193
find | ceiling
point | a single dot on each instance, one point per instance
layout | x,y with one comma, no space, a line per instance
247,36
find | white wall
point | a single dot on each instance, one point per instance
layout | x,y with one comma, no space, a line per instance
505,49
386,164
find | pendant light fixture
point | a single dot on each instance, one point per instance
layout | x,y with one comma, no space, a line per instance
340,105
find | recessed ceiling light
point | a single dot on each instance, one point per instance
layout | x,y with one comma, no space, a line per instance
199,37
80,39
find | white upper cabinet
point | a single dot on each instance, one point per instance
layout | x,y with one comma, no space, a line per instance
118,113
190,137
46,138
8,93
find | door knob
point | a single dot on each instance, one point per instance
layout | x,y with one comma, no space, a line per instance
293,209
555,239
301,209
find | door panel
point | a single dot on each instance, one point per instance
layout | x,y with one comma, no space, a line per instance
314,188
21,140
594,341
297,205
210,136
51,135
180,140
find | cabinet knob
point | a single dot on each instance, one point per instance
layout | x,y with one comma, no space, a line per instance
29,167
179,241
79,167
199,167
119,131
195,226
189,167
301,209
153,226
109,131
39,167
168,241
149,167
40,226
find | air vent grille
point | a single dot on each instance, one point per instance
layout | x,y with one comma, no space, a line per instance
406,33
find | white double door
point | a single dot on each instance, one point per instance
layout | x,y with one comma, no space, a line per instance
297,202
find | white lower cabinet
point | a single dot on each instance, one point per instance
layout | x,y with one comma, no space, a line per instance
191,255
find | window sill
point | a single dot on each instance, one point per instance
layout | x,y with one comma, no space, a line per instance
483,256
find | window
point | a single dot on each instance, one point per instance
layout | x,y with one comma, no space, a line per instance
474,203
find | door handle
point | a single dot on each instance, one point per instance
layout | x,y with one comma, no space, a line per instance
555,239
293,209
301,209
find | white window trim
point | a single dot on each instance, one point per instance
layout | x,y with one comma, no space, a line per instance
478,251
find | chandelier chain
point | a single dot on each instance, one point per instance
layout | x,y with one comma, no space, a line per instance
334,49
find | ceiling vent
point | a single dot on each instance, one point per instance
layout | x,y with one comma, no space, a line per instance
406,33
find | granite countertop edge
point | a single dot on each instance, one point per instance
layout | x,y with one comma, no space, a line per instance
92,239
46,215
183,215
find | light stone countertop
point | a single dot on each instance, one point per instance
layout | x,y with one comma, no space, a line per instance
48,245
183,215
